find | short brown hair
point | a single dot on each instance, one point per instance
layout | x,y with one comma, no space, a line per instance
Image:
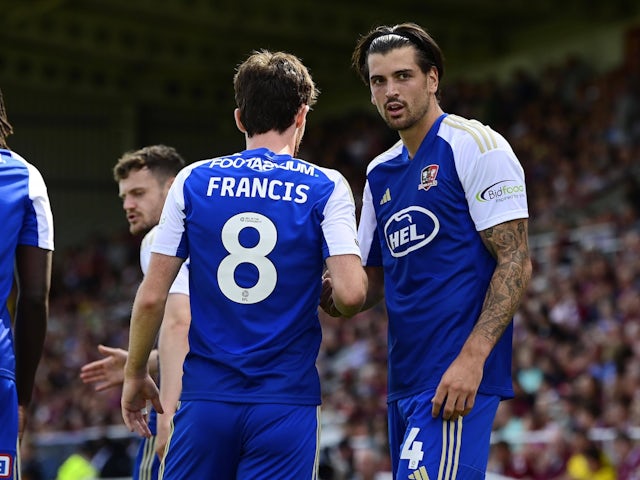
163,161
270,88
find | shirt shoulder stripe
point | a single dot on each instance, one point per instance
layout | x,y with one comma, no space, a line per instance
484,137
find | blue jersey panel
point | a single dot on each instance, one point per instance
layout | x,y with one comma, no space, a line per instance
437,269
26,220
255,229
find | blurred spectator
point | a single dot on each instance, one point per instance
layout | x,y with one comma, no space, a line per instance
112,459
368,464
503,461
627,454
78,465
588,461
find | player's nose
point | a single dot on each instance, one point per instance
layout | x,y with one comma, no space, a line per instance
392,89
128,203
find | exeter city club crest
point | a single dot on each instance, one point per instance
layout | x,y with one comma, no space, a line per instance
428,177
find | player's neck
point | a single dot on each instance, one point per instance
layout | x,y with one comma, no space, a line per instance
280,143
412,137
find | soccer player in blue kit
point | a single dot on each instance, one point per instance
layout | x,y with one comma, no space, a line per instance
443,235
26,250
259,228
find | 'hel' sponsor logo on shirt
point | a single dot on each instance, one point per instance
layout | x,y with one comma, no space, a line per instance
410,229
428,177
6,469
500,192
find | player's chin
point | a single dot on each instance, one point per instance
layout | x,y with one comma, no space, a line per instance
136,228
396,122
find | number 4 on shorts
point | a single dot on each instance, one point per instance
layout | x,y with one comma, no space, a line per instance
412,450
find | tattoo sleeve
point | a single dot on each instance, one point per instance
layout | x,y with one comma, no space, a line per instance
509,245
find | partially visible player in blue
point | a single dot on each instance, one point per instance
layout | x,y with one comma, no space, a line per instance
443,234
26,246
144,177
259,227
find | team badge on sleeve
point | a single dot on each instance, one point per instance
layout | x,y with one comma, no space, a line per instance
428,177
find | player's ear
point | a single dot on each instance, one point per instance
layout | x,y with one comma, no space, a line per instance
301,116
373,100
434,79
236,116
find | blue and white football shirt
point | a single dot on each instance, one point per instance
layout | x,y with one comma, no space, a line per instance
26,220
420,221
256,227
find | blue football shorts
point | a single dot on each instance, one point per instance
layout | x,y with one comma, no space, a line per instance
8,428
227,441
423,447
147,463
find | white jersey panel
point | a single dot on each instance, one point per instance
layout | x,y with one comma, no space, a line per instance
490,173
40,200
367,227
181,283
339,224
172,218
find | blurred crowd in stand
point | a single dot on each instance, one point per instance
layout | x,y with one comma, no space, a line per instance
576,364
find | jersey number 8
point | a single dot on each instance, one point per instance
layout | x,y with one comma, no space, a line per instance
256,255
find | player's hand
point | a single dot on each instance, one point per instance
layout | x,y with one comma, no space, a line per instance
107,372
163,427
326,297
135,393
456,392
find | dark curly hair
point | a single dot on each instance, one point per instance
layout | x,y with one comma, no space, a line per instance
5,127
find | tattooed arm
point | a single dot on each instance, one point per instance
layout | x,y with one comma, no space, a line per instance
508,243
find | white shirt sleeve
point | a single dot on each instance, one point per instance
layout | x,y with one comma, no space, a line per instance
181,283
171,229
42,207
368,224
339,223
494,184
